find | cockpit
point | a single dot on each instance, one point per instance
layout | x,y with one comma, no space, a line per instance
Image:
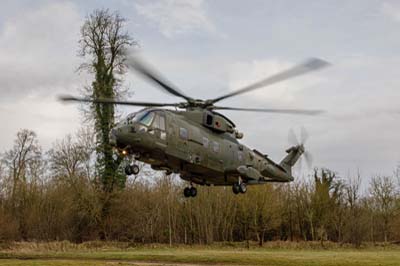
148,118
143,117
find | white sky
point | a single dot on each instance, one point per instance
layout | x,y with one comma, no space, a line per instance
210,47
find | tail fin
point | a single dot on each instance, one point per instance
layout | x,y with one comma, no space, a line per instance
293,156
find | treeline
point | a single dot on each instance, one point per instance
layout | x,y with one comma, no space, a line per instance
58,195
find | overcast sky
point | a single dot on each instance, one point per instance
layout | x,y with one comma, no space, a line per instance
210,47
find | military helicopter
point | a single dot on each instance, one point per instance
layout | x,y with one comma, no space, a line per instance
198,142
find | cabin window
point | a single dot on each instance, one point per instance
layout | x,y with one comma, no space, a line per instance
205,142
156,122
162,122
147,119
183,133
216,146
159,122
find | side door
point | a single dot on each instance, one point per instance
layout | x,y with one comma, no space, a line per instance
230,150
179,138
160,133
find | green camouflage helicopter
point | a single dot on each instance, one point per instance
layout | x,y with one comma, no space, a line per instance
198,142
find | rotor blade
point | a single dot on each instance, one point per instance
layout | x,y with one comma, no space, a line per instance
309,159
303,135
146,71
307,66
300,164
292,138
281,111
110,101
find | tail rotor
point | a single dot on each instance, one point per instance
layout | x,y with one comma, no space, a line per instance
293,140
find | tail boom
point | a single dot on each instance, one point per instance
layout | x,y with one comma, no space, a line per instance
293,155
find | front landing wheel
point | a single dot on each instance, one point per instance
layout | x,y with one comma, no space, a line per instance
128,170
132,169
135,169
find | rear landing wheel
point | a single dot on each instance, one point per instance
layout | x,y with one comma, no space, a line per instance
186,192
193,192
236,188
243,187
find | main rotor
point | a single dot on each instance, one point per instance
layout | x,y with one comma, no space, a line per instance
133,62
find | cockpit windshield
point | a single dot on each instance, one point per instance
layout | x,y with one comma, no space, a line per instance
144,117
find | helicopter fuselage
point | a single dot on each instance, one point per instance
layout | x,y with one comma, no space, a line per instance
178,142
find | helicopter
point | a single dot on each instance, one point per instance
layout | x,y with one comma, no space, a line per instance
196,141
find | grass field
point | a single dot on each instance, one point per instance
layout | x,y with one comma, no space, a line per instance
190,256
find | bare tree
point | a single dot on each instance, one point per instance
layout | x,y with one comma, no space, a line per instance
25,166
72,157
355,228
383,193
22,159
71,163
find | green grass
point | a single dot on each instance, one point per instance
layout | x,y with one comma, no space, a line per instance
205,256
15,262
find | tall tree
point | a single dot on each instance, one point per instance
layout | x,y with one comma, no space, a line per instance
104,42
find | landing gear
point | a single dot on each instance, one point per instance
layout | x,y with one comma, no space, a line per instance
190,192
243,187
239,188
132,169
186,192
236,188
193,192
